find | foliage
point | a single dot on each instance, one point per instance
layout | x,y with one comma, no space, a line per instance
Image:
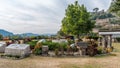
37,49
99,50
12,56
108,50
92,48
43,37
99,15
32,44
16,37
52,46
96,9
118,39
115,21
115,7
63,45
61,33
93,37
76,20
56,52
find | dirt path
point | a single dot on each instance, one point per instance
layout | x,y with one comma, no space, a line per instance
49,62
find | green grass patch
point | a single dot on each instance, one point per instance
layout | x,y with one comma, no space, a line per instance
81,66
91,66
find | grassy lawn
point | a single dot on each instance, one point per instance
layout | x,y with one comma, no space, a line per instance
116,47
104,61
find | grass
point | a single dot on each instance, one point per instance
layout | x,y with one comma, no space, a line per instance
92,66
116,47
81,66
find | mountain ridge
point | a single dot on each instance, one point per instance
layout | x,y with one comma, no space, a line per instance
5,33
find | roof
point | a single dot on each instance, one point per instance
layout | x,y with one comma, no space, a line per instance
109,31
113,33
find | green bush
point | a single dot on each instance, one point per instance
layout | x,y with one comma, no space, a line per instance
38,51
93,37
118,39
51,45
32,44
56,52
16,56
99,50
63,45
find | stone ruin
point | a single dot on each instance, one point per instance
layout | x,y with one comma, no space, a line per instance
82,46
2,47
21,50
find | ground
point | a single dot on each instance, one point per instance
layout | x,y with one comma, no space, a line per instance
105,61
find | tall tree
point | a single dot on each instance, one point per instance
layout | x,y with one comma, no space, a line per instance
76,20
95,10
61,33
115,7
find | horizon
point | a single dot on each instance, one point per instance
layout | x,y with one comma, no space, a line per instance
19,16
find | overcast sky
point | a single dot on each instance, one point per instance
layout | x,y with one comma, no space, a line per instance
39,16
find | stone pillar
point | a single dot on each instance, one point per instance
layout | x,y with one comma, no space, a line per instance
104,41
45,50
109,40
99,41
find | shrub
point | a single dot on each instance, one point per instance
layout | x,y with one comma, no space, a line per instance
108,50
32,44
38,52
52,46
118,39
16,56
63,45
56,52
99,50
37,49
9,55
92,48
93,37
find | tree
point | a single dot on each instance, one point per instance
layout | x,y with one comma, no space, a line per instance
76,20
115,7
95,10
61,33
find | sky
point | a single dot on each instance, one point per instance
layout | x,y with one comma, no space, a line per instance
39,16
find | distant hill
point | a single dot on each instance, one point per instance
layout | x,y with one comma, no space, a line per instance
28,34
5,33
